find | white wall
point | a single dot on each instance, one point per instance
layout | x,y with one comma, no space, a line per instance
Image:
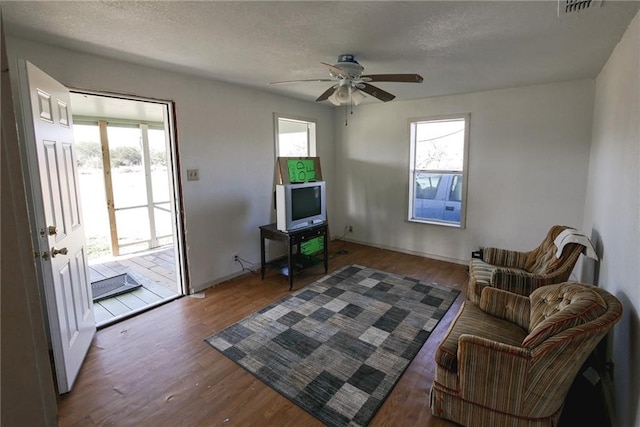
528,157
224,130
612,209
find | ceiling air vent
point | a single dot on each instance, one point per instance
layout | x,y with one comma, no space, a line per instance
574,6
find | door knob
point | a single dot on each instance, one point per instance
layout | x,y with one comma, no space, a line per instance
55,251
53,230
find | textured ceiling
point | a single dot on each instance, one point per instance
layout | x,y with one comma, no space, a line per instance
456,46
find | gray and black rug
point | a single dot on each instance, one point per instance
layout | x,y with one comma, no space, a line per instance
337,347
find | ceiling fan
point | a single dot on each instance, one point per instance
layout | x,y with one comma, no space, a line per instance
350,83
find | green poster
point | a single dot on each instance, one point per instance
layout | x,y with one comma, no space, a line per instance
301,170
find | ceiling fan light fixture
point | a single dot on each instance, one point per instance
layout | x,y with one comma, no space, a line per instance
332,99
357,97
343,94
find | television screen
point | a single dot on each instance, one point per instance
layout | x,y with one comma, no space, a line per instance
305,202
300,205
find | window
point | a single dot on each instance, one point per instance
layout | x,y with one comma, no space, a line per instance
438,163
295,137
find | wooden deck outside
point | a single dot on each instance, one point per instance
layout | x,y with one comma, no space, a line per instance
155,270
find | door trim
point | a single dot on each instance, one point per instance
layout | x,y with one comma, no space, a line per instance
176,182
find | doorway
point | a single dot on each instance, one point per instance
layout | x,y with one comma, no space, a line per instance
126,159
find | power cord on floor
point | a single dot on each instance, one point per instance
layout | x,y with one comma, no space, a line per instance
342,250
242,261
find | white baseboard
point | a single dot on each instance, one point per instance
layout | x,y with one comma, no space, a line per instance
410,252
216,282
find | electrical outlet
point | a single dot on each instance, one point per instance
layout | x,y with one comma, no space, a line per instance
235,257
193,174
351,229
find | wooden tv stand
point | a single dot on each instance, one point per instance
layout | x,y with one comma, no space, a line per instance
296,262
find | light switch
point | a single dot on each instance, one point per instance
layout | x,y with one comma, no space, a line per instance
193,175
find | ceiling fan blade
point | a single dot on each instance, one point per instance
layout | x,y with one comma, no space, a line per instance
326,94
401,78
300,81
336,71
376,92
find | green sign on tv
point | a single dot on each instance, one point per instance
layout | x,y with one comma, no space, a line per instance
301,170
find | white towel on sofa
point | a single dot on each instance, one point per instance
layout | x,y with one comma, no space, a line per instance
571,235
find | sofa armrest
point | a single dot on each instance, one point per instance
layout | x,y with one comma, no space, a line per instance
492,374
506,305
504,257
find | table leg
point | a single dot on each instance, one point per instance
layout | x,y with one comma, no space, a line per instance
326,254
262,261
290,264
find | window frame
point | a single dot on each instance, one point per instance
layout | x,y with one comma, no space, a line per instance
311,132
412,126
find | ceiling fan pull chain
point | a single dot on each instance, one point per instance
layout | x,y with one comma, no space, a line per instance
351,102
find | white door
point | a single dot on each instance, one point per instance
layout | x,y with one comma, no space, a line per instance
58,220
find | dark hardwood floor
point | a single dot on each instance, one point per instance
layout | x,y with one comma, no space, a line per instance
155,369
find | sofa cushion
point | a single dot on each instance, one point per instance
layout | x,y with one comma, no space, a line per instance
555,308
472,320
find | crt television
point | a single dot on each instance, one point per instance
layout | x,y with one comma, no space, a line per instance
300,205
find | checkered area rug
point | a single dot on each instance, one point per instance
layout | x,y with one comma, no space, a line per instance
337,347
